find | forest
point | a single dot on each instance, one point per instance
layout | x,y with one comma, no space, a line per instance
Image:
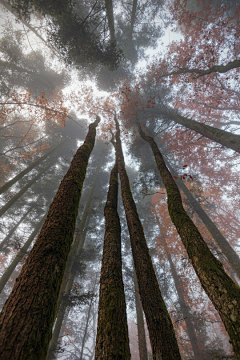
119,179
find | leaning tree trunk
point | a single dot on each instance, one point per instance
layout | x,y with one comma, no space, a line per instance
160,328
184,307
14,228
221,289
225,138
224,245
142,345
27,170
112,341
9,270
12,201
68,278
28,315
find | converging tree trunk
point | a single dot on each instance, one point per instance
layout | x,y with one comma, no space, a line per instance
221,289
142,345
68,278
183,306
161,332
224,245
28,315
112,335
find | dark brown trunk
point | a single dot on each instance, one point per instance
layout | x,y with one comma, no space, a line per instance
28,315
183,306
142,345
160,328
224,245
112,334
221,289
68,278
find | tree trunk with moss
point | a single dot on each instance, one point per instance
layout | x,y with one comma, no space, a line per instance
142,345
112,334
183,306
224,245
221,289
68,278
28,315
160,328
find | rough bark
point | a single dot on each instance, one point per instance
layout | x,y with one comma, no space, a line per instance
14,228
112,341
12,201
161,332
221,289
183,306
68,278
28,315
225,138
224,245
27,170
9,270
142,345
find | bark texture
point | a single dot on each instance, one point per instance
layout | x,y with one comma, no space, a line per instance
221,289
112,334
142,345
28,315
224,245
68,278
161,332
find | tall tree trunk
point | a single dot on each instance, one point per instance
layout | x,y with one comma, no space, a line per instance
28,315
12,201
161,332
142,345
14,228
224,245
110,17
133,18
112,341
68,278
184,307
225,138
27,170
8,272
87,323
221,289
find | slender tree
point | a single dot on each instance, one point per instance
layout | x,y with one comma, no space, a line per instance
221,289
28,314
112,334
161,332
142,345
224,245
